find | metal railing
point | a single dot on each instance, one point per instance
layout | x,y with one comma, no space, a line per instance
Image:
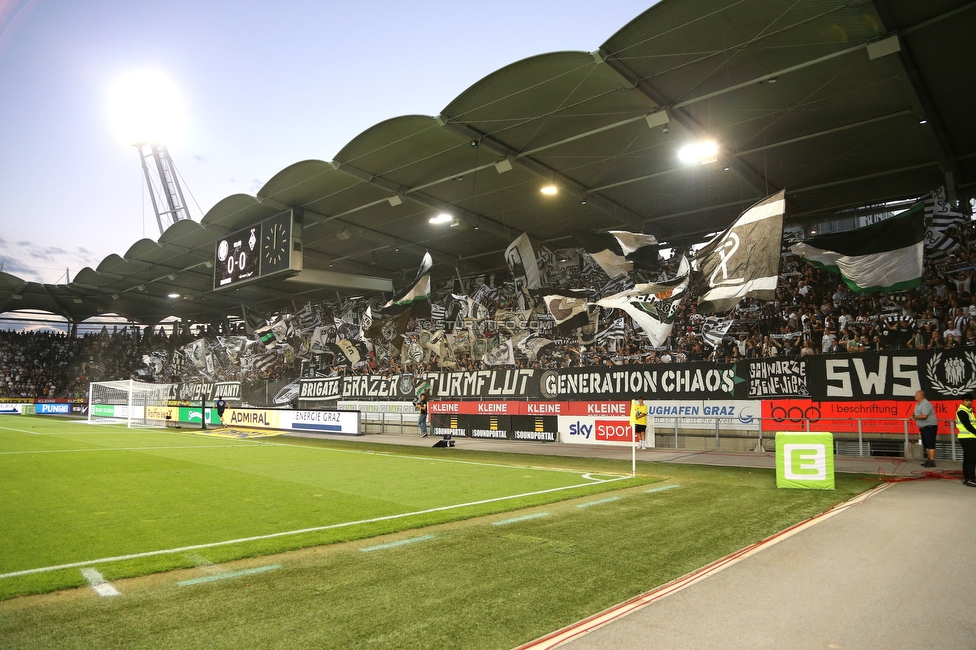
708,433
855,437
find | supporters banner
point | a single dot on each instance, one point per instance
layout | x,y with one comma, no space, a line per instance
320,390
888,375
896,374
209,391
676,380
776,378
511,382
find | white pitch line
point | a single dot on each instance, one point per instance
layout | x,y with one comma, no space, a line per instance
33,433
101,587
71,451
194,547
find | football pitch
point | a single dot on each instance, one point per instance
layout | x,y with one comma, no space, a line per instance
277,542
131,501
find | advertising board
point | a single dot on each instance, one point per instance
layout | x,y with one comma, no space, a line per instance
878,416
340,422
53,409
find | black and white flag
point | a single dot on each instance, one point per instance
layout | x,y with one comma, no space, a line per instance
941,221
714,330
567,307
522,262
743,260
652,306
618,252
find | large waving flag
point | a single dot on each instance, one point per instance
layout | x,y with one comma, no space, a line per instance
618,251
522,262
942,220
653,305
743,260
567,307
885,256
413,301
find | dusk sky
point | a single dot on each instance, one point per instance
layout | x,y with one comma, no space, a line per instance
263,85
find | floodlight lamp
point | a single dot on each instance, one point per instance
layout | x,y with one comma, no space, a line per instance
549,190
171,276
698,152
172,295
443,217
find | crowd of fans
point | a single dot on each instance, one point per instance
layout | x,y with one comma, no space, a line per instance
813,313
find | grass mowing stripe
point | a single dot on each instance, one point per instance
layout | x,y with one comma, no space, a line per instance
229,574
661,489
401,542
447,460
255,538
71,451
515,519
596,503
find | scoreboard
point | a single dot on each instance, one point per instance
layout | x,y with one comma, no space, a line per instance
264,249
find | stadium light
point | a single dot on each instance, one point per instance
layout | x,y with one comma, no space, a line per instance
699,152
443,217
172,295
549,190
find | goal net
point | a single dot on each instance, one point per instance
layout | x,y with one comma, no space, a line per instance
133,403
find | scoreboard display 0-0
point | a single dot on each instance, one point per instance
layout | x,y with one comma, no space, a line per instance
258,251
238,257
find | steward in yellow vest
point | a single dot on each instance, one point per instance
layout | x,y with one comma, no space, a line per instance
966,433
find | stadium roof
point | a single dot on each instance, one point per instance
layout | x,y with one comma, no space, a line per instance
843,104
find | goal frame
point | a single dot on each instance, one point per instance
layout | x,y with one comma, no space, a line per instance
144,405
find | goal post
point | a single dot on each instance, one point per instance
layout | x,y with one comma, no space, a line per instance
129,402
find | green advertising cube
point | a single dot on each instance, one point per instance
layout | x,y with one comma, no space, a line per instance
805,460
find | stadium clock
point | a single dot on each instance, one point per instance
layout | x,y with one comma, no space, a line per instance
276,244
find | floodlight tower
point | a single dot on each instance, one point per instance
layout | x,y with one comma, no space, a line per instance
164,186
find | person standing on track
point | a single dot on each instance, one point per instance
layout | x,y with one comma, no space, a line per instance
966,433
422,407
928,426
640,422
221,407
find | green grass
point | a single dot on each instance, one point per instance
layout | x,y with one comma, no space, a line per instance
78,493
471,584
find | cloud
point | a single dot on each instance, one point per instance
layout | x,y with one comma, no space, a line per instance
36,263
